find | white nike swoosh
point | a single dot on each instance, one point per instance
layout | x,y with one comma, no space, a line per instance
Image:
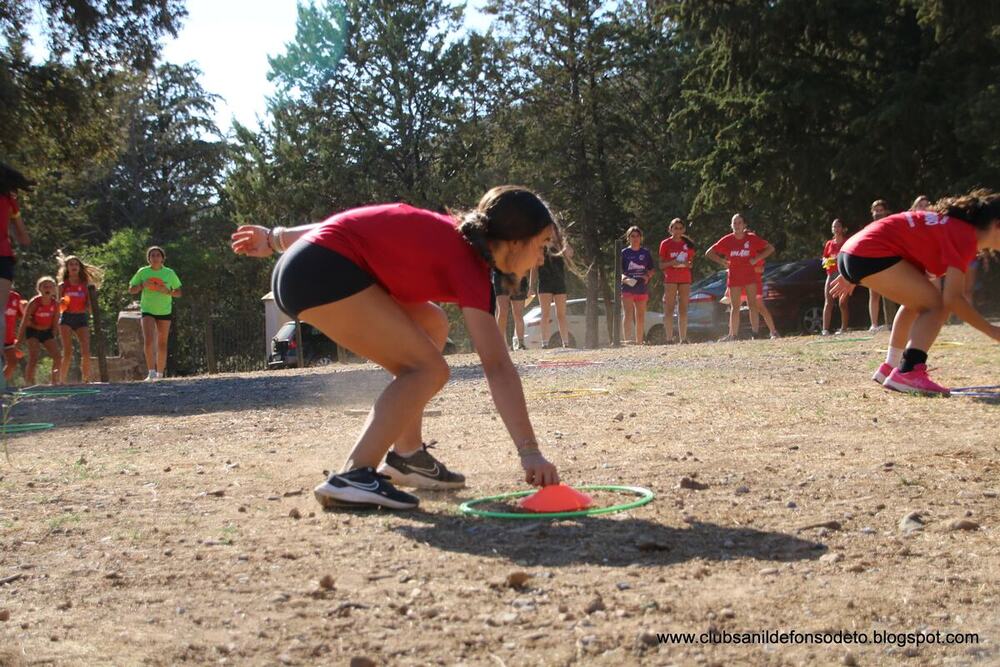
370,486
430,472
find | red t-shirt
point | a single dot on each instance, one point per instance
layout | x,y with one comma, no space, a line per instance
8,211
43,315
831,249
741,253
416,255
74,297
928,240
669,251
10,317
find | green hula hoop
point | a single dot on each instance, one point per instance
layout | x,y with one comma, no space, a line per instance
24,428
645,496
56,392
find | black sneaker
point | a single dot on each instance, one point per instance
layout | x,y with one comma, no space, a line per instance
362,486
421,470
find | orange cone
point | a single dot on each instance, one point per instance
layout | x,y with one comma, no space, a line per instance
557,498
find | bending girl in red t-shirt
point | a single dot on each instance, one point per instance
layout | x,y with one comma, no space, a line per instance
894,256
830,251
366,278
38,328
75,278
741,252
676,257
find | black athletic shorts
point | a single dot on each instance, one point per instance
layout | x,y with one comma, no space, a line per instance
552,275
855,268
161,318
41,335
309,275
7,268
74,320
500,289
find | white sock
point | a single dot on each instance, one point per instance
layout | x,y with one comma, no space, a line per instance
894,356
407,454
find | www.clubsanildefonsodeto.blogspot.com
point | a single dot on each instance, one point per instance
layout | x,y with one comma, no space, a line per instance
832,637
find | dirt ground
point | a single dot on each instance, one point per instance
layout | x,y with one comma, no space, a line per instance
173,522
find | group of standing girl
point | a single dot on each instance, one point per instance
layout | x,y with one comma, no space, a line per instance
59,310
742,253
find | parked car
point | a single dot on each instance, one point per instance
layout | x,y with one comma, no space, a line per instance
320,350
793,292
576,310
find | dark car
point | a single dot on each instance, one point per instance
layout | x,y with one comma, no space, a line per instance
793,292
708,317
319,350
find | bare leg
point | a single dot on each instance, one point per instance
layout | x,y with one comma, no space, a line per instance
640,322
33,351
907,285
628,305
828,304
373,325
735,294
845,312
10,365
561,319
874,305
162,337
434,323
66,334
53,349
545,301
517,305
684,294
149,342
669,301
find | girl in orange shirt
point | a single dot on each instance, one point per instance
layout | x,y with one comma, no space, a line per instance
38,328
75,278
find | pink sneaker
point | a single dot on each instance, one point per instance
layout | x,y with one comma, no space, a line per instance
882,373
915,382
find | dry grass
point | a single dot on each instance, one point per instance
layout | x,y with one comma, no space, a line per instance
127,557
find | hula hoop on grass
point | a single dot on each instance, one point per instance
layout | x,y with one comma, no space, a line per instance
31,393
24,428
645,496
979,394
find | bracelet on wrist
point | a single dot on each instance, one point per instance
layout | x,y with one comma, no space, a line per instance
278,235
531,450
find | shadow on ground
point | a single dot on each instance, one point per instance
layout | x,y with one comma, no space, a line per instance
604,541
351,387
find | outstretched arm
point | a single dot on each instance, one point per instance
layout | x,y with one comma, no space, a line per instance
258,241
508,395
955,301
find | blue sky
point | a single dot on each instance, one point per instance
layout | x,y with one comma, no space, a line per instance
230,41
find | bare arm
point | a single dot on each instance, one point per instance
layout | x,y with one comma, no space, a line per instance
955,301
764,254
28,312
257,241
508,395
717,258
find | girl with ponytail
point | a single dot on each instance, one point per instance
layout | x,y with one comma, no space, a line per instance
367,278
895,255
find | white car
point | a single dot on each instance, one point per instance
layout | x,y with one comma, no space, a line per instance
576,317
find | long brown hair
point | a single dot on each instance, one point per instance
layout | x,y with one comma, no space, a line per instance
89,274
980,208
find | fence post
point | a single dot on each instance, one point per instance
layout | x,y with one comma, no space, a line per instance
102,356
616,316
209,341
300,353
